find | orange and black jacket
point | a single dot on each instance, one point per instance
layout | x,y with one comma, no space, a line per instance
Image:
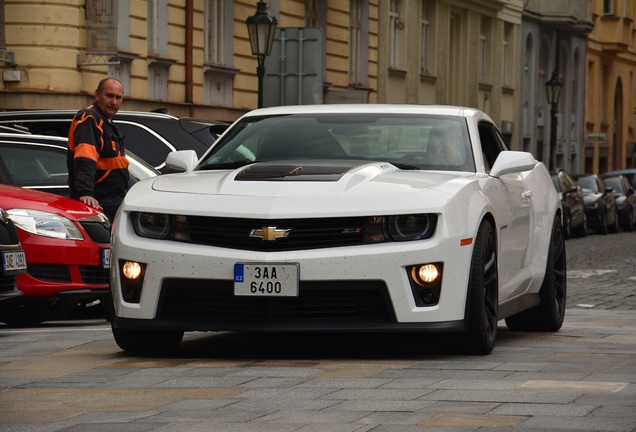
97,164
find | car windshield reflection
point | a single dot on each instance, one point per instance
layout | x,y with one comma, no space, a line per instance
407,141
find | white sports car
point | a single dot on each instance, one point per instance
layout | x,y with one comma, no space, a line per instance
342,218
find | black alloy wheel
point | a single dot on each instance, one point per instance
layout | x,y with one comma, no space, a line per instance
550,313
483,295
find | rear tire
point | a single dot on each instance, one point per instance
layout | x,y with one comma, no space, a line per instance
483,295
147,341
581,231
615,226
629,222
550,313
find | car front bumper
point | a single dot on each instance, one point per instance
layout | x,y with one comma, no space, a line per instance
191,287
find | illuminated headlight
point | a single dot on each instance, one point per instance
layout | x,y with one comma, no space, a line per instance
131,270
425,274
160,226
45,224
411,227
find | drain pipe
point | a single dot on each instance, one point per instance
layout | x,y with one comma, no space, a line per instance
188,54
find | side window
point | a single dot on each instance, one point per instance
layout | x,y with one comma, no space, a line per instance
34,166
492,143
144,143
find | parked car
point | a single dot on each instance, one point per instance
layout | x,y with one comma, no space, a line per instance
13,258
573,203
600,204
337,218
625,199
629,173
150,135
67,247
39,162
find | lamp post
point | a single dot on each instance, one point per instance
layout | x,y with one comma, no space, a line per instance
261,29
553,91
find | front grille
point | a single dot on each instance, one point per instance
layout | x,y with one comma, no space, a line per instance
7,283
214,300
50,272
91,275
304,233
97,232
94,275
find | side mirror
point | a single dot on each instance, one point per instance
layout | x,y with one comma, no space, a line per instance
182,160
510,161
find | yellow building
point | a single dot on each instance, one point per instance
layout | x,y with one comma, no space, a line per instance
610,117
192,57
457,52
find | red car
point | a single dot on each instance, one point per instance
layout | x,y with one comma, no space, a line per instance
67,247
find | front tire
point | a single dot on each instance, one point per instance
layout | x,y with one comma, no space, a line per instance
629,222
147,341
483,295
550,313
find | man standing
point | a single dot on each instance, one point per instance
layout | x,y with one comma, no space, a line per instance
97,164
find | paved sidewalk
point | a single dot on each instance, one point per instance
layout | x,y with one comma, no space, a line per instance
70,377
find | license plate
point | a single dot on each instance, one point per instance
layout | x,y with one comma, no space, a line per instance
271,280
14,262
105,258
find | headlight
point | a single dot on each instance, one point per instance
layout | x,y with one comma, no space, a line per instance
45,224
160,226
151,225
412,226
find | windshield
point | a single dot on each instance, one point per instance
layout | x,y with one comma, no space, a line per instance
407,141
614,183
588,185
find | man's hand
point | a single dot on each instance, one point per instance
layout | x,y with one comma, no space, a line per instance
90,201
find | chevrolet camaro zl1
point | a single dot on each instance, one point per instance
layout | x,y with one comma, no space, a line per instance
385,218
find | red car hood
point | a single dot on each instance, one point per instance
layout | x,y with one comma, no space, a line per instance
17,197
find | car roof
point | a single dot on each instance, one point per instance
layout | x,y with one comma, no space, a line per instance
441,110
68,114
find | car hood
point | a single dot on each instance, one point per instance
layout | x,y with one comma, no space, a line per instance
592,198
299,189
16,197
305,178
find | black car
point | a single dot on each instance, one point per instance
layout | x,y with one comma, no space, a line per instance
572,202
39,162
625,200
600,204
629,173
150,135
12,256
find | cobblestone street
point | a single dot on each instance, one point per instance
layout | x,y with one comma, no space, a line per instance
602,271
71,376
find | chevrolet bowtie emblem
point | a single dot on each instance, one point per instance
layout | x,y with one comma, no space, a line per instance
269,233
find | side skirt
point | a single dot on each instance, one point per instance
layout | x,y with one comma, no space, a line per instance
518,304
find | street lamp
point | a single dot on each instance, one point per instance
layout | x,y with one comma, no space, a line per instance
261,29
553,91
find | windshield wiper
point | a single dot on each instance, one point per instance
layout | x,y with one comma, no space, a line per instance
404,166
227,165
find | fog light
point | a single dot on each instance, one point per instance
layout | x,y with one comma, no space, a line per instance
131,270
426,283
132,279
425,274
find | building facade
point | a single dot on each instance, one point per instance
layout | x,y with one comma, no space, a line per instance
191,57
458,52
553,43
610,99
